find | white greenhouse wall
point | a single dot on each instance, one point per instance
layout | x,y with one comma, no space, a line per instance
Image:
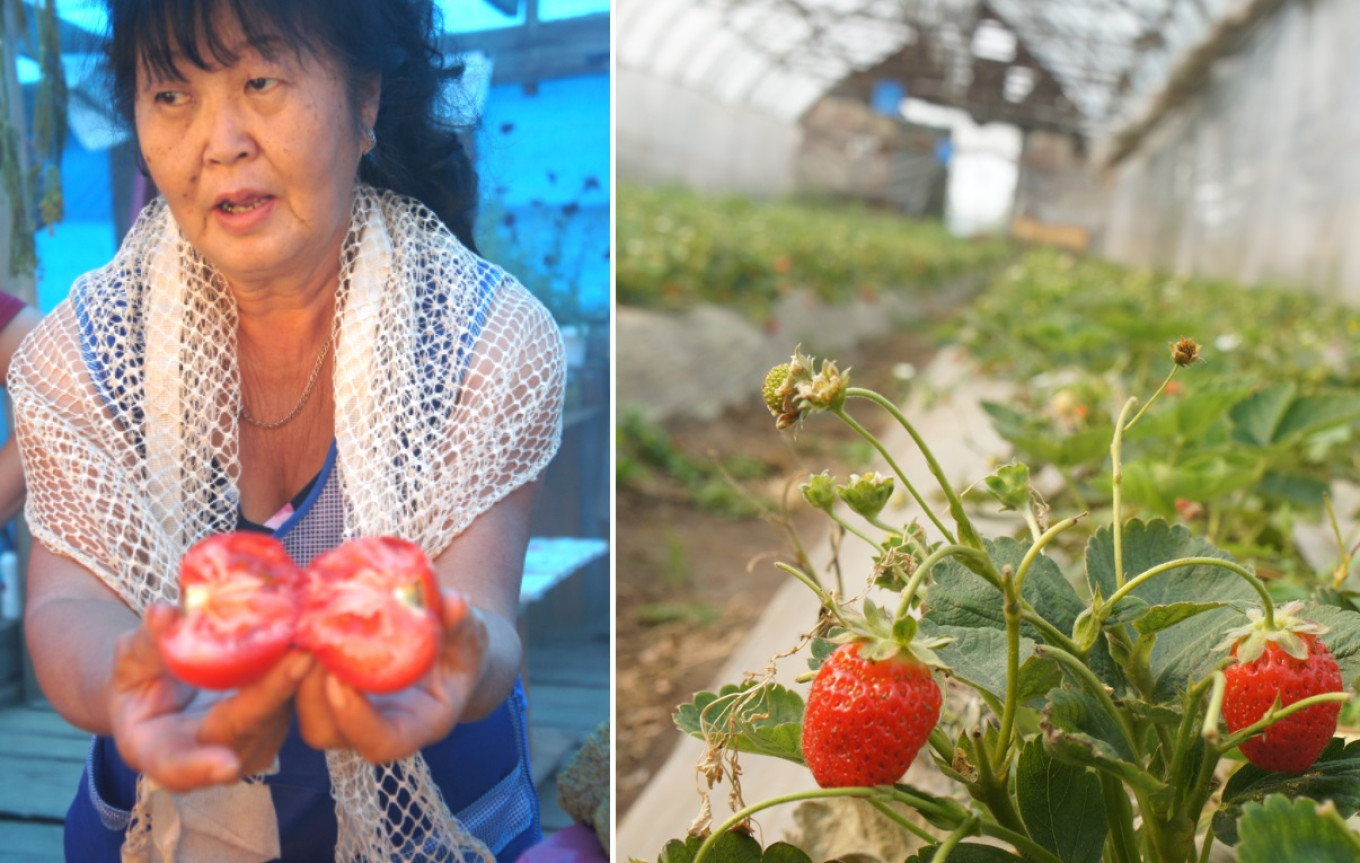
668,133
1258,176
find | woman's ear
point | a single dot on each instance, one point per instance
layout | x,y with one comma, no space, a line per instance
370,94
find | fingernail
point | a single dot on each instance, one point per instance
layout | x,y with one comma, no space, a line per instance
301,665
223,774
335,693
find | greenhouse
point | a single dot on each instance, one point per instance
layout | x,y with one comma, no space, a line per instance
1052,503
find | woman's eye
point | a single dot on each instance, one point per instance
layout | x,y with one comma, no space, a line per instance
262,85
171,97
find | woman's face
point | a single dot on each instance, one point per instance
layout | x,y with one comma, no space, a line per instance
257,160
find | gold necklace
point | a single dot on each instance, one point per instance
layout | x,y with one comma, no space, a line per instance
306,392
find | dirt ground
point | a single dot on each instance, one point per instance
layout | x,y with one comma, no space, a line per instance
690,583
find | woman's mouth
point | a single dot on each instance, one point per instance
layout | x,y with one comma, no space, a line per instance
244,206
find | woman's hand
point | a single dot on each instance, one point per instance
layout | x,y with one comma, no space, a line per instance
384,728
185,738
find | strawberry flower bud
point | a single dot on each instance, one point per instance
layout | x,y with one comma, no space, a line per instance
1009,484
866,494
820,491
1185,352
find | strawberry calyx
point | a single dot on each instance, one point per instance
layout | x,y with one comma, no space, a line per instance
1250,639
881,637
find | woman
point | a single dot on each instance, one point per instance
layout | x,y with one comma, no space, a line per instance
281,346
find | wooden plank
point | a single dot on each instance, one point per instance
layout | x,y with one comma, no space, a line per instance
548,748
37,787
30,842
38,721
43,746
567,707
584,664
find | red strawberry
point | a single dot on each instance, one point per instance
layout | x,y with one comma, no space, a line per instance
1291,664
866,720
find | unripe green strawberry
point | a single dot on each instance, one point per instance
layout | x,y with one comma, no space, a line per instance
1294,743
866,720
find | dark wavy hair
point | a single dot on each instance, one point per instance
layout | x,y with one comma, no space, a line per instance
419,153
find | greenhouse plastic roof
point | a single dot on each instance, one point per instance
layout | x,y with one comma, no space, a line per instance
1108,58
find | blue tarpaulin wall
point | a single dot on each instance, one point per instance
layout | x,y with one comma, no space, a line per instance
543,156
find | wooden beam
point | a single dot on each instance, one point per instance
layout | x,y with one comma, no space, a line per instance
541,50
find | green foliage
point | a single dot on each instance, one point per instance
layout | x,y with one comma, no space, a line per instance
1283,829
967,852
1335,777
1061,804
677,248
766,719
1245,442
643,448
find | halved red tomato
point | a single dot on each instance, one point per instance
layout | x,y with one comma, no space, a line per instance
239,602
371,613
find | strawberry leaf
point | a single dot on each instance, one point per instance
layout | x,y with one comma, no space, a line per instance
1335,776
821,648
1077,729
1342,637
978,656
961,599
783,852
730,847
1061,804
1281,829
967,852
766,719
1164,616
1184,650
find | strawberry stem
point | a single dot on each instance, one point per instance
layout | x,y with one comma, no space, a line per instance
1011,610
1037,548
939,554
809,580
955,503
1088,680
942,810
1160,390
967,828
883,451
1117,525
859,533
905,823
1230,565
1274,715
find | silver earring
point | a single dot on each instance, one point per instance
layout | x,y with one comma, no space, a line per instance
370,141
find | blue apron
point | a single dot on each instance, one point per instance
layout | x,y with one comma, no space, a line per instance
481,768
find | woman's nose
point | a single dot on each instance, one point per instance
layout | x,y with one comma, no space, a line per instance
228,137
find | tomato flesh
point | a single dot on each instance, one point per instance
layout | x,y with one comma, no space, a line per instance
371,613
239,603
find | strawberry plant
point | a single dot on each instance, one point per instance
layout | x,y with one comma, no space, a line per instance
1089,715
677,248
1257,448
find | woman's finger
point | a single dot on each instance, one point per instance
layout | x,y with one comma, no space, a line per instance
315,720
407,721
260,700
181,765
